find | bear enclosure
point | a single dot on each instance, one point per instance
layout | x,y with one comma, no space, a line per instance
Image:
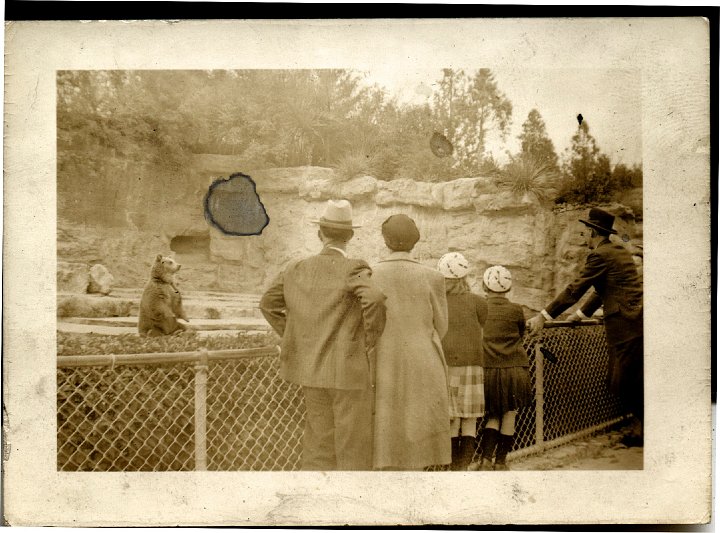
229,410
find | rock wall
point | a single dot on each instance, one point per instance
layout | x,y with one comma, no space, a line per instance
541,247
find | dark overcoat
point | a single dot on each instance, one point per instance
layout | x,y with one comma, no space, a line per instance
610,269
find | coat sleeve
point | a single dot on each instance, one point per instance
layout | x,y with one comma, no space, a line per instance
593,304
272,305
438,299
372,302
594,269
481,309
521,321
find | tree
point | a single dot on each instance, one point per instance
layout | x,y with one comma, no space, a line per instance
273,118
467,108
587,172
535,142
415,159
624,177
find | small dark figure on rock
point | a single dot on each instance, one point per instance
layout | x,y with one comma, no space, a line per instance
161,303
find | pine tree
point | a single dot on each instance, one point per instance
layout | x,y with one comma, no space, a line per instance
467,108
587,171
535,142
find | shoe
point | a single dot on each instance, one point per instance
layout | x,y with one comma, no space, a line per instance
483,464
487,466
473,467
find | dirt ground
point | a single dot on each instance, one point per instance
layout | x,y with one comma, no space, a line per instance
598,452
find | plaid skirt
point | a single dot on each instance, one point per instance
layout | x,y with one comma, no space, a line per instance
467,391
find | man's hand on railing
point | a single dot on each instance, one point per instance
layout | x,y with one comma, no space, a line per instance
574,319
535,324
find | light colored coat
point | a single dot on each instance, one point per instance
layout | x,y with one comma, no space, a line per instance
412,403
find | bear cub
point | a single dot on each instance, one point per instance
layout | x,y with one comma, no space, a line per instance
161,303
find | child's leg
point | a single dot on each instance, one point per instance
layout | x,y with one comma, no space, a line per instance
454,427
466,447
489,438
468,427
493,422
507,427
505,440
454,443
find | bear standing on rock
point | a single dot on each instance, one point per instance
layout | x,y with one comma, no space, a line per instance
161,303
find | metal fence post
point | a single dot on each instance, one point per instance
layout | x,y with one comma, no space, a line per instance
539,397
201,371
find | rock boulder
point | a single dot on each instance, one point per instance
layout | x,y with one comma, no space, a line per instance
100,280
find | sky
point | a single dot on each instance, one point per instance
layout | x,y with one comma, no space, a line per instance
609,101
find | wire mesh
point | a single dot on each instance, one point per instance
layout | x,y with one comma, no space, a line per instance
576,394
142,416
134,418
255,419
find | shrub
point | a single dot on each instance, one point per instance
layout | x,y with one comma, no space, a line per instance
525,176
129,343
354,164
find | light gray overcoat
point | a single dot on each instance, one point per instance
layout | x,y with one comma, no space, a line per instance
411,410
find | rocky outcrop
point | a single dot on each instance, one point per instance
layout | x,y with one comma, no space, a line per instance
540,246
100,280
72,276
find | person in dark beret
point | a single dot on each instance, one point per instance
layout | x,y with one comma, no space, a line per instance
412,401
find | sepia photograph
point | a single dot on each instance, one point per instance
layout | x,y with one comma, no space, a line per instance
355,274
488,207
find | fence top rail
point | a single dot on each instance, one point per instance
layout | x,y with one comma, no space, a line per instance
200,356
569,324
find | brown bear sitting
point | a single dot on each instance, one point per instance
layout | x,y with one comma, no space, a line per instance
161,303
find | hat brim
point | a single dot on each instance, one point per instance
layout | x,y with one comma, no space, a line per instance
590,224
336,225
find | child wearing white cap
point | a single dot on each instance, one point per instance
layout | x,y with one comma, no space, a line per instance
462,346
507,380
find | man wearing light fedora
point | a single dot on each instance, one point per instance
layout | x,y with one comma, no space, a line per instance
329,314
610,269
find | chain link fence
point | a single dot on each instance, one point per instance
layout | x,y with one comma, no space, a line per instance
229,409
571,396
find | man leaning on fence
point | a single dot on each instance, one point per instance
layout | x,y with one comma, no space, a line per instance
330,315
610,269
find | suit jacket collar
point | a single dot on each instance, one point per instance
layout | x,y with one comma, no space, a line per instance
603,242
399,256
331,250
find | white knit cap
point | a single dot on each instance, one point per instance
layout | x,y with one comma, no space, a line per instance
498,279
453,265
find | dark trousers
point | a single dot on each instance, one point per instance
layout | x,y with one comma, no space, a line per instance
338,429
627,375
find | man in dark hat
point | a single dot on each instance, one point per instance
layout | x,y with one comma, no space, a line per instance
610,269
329,314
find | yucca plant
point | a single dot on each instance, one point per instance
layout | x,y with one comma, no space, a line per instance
526,176
353,164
